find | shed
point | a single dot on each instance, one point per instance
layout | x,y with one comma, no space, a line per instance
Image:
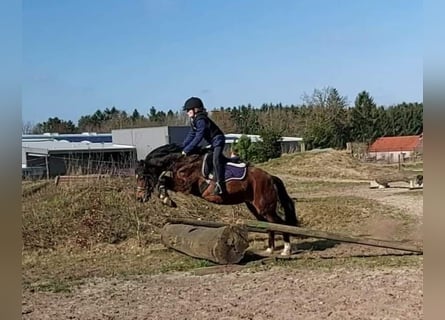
147,139
62,157
393,149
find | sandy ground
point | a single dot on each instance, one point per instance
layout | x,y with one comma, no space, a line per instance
278,293
274,294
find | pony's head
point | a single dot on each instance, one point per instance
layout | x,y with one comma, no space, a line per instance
148,171
145,182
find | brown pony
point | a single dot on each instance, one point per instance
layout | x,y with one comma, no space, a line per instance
165,168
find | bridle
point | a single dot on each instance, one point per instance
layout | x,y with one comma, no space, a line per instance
145,187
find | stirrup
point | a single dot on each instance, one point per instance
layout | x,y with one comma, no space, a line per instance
218,189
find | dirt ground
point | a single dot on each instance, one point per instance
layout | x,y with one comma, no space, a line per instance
278,293
275,293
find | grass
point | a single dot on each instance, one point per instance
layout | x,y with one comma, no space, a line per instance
62,270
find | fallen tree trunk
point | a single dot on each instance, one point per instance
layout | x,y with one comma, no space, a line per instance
223,245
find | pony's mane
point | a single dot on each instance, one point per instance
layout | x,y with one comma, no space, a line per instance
164,150
163,156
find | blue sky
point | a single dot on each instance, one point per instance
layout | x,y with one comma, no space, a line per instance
84,55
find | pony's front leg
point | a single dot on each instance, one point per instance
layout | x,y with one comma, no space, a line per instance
162,190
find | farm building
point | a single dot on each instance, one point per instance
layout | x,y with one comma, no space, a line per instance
395,149
147,139
49,158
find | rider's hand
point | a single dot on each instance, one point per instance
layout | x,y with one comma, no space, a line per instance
183,153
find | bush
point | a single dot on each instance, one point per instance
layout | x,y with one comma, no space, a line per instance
261,151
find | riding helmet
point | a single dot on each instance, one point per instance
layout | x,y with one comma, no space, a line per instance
193,103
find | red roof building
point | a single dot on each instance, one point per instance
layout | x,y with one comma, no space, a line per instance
393,144
394,149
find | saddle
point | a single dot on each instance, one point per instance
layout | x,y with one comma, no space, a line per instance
232,170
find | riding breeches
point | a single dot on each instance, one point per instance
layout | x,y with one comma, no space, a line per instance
218,164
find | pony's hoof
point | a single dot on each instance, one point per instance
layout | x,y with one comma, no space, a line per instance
169,202
286,250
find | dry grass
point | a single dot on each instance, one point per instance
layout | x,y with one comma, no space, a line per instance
96,228
332,164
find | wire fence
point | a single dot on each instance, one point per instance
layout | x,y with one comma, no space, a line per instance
51,166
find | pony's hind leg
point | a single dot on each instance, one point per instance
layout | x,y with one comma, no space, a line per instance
274,218
287,250
287,246
271,234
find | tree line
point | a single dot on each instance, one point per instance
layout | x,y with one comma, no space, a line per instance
323,120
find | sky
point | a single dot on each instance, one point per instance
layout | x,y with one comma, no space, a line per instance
80,56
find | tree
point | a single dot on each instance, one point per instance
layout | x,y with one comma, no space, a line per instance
366,119
243,147
260,151
135,115
27,127
327,123
56,125
338,118
269,147
245,119
87,124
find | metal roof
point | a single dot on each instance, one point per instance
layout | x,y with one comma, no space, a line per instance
64,146
72,137
231,137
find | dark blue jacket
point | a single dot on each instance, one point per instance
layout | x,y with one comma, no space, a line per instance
202,127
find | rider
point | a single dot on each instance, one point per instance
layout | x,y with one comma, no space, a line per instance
202,127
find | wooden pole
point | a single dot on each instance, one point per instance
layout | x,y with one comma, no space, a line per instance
331,236
261,226
211,224
47,166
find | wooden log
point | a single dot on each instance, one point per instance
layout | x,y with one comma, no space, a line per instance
261,226
384,180
222,245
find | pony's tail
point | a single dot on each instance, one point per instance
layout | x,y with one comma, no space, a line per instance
286,202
